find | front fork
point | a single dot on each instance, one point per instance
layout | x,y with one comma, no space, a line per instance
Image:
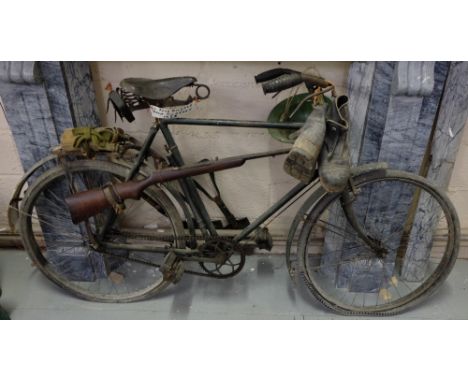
347,198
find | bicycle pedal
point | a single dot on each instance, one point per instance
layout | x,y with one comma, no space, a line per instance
172,269
263,239
240,223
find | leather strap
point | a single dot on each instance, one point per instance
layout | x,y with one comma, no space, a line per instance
113,198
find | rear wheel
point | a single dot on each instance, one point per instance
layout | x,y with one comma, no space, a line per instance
66,253
415,227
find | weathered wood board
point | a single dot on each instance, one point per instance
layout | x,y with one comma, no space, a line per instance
446,141
393,126
41,100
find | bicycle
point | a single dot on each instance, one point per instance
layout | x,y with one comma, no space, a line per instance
353,260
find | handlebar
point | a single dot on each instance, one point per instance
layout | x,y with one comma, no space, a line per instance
272,74
283,82
276,80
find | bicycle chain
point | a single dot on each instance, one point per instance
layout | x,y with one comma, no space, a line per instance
165,237
146,237
141,261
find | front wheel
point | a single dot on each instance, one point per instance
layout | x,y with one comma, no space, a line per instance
415,231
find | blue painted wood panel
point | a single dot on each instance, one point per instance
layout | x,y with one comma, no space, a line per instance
41,100
446,141
399,116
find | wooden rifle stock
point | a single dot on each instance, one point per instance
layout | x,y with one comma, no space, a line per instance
85,204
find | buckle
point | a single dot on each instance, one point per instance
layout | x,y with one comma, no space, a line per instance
113,198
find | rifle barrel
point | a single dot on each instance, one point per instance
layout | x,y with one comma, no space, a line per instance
83,205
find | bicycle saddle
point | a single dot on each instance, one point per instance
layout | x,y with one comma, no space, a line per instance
157,90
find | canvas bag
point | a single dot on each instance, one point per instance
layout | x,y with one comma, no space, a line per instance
301,161
334,166
323,139
89,140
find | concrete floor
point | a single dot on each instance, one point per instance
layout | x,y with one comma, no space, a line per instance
261,291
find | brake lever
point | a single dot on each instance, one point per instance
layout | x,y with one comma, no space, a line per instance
276,94
272,74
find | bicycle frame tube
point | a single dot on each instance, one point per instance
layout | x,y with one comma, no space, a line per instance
143,154
241,236
234,123
188,185
275,207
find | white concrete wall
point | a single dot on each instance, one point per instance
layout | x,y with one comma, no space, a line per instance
458,187
249,190
10,168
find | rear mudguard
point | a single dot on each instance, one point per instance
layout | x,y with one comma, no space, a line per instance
13,207
297,225
13,213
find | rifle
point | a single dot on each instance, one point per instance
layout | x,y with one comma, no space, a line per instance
86,204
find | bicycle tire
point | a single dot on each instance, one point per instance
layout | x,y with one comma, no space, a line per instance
153,195
428,287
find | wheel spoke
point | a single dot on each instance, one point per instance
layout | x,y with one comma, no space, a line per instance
65,250
348,275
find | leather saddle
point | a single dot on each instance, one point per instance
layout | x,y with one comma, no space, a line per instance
156,90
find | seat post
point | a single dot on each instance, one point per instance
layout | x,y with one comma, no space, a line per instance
143,154
188,185
111,215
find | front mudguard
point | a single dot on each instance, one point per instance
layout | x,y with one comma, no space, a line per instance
317,193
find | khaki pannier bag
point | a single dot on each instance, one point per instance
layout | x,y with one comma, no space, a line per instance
90,140
302,159
322,139
334,166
